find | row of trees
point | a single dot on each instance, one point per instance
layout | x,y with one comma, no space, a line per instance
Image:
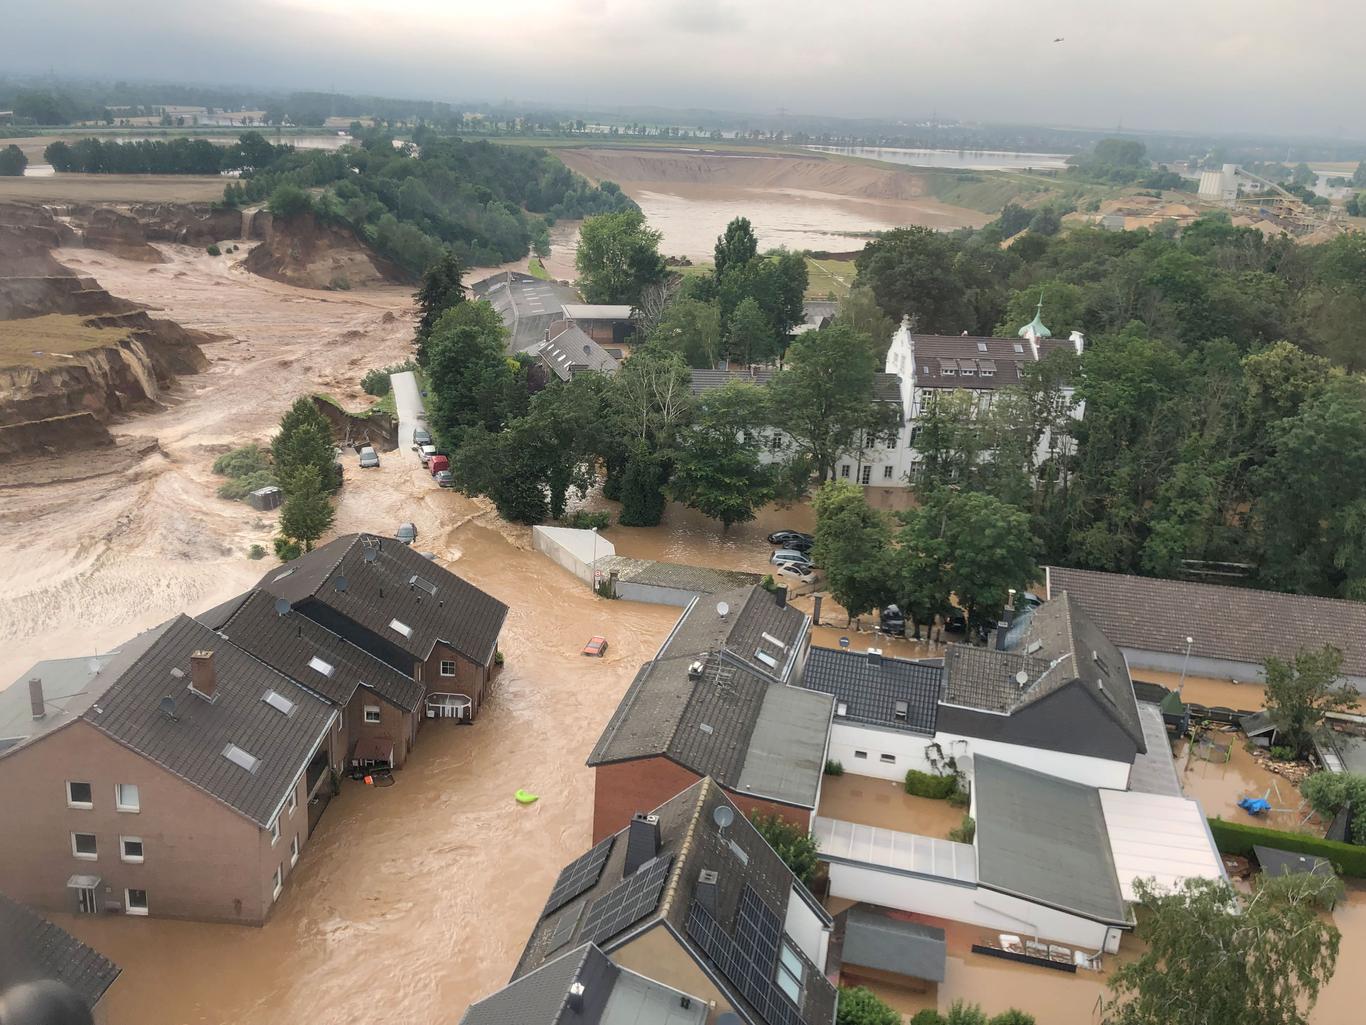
305,464
163,156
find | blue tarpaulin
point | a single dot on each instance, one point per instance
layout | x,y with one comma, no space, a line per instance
1254,805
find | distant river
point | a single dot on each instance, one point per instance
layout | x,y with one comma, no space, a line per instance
953,159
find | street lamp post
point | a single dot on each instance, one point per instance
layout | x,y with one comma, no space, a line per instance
594,566
1185,662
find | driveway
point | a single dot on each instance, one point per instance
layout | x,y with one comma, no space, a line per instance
408,402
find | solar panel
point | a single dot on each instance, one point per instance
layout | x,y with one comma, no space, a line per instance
564,929
628,902
577,876
749,959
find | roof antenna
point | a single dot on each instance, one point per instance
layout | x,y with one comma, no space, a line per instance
723,815
341,584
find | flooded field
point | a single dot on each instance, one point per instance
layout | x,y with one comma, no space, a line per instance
1219,785
885,803
953,159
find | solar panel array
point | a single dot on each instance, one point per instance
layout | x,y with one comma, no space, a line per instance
564,929
749,959
579,875
628,902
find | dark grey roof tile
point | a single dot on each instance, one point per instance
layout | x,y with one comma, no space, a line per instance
873,689
35,948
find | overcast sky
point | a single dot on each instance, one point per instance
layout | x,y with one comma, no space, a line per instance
1211,65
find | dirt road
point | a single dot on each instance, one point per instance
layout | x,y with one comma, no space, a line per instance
408,404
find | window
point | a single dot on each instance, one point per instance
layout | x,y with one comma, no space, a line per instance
860,754
886,473
844,470
279,702
294,849
981,346
969,371
988,373
900,710
1019,347
887,759
274,830
130,849
866,476
402,628
948,371
279,882
240,758
79,795
372,713
317,664
126,797
915,433
135,902
790,973
766,658
841,709
291,803
447,667
83,846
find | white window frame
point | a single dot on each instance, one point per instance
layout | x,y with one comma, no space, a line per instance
887,759
785,972
291,803
887,473
866,475
844,470
861,754
128,907
93,855
447,662
119,795
279,882
294,850
83,805
131,859
275,831
379,714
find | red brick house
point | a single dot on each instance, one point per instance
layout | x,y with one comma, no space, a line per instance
716,701
404,610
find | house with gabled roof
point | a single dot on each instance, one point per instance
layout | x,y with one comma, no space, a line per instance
716,701
388,600
691,897
33,949
179,776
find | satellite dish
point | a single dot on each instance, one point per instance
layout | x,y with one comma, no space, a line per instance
844,642
723,609
167,706
723,816
371,554
281,606
1022,677
342,584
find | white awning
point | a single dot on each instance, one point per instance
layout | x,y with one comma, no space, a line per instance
82,882
1159,837
888,848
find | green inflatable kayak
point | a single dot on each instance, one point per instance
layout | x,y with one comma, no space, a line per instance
526,797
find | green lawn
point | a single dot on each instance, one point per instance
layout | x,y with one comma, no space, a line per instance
827,277
537,269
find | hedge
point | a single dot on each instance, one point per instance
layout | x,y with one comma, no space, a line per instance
1238,838
922,784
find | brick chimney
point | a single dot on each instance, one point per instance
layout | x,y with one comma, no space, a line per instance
35,698
202,679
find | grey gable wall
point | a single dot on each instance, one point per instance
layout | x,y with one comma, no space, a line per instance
1068,720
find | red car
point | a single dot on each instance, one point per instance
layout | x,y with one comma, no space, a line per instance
595,647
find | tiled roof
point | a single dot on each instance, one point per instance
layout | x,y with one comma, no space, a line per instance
290,642
741,860
379,592
706,380
191,744
1053,645
870,689
527,305
739,635
887,387
540,997
875,939
572,351
934,354
37,949
1044,839
1233,623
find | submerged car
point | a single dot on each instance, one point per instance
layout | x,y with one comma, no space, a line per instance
791,573
421,436
892,621
368,458
444,478
784,556
407,533
425,453
785,537
596,646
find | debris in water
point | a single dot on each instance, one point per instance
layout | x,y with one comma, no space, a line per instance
526,797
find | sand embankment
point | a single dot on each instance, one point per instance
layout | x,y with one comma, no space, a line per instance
305,252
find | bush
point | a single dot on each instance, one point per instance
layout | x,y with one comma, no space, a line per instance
287,550
929,1016
794,845
242,461
959,798
769,584
256,552
1013,1017
1329,792
213,250
964,831
237,489
339,284
834,767
1283,754
1238,838
582,519
290,201
922,784
861,1006
376,382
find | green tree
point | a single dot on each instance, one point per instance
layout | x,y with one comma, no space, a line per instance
642,488
307,513
749,335
859,311
508,472
1303,176
288,200
692,329
824,399
652,397
469,374
912,274
441,289
736,247
1300,692
618,257
1211,956
12,162
795,846
1329,792
717,470
776,281
304,442
852,546
859,1005
1359,175
1013,1017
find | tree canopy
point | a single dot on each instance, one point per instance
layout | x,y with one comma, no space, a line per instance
618,257
1301,691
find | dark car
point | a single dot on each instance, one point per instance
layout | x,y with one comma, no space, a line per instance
421,436
445,478
955,622
786,537
407,533
893,621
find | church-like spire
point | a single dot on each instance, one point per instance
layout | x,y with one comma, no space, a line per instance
1035,327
